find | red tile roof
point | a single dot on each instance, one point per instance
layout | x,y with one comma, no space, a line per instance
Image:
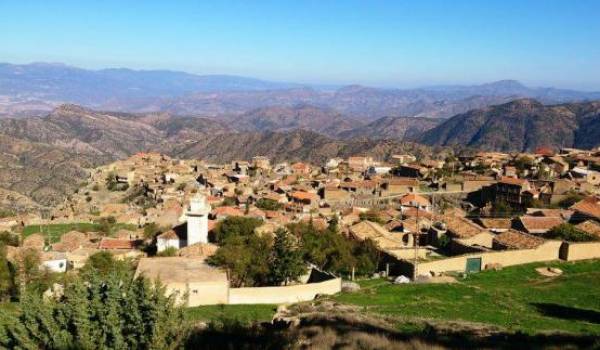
111,243
589,206
513,181
517,240
540,224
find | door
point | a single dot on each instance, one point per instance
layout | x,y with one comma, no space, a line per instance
473,265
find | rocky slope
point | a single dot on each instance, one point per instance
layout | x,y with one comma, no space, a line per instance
393,128
521,125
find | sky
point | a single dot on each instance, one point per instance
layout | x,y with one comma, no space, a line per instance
381,43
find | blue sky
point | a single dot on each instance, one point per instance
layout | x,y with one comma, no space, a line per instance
386,43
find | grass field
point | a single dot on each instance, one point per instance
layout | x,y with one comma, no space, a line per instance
242,313
516,298
55,231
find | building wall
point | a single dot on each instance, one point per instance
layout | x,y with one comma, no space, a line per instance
545,252
284,294
580,251
162,244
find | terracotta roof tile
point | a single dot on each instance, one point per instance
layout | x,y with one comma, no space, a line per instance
512,239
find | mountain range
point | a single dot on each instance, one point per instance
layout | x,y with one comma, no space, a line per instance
35,89
520,125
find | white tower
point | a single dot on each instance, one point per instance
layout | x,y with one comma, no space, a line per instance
197,220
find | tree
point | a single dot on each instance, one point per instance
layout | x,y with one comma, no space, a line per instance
501,209
7,280
286,263
236,226
107,225
150,230
268,204
7,238
104,264
97,313
245,257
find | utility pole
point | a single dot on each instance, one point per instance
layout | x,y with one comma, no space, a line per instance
416,243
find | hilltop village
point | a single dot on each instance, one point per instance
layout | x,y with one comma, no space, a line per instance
407,219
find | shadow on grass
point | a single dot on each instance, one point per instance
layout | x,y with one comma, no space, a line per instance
343,332
567,312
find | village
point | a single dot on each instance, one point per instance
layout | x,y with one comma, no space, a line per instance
426,219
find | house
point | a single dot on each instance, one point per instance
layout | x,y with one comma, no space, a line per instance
399,185
221,213
516,192
363,187
538,224
359,164
416,201
591,227
410,170
587,208
459,227
54,261
190,280
512,239
303,201
400,159
300,169
496,225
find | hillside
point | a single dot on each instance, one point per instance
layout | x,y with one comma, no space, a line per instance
48,157
289,146
394,128
521,125
281,119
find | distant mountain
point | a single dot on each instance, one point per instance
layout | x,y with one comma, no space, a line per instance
58,82
393,128
34,89
521,125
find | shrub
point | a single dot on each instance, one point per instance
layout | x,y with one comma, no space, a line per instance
569,233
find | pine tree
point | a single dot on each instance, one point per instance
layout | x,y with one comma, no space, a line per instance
286,264
97,312
6,276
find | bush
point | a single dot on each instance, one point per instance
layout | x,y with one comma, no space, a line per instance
569,233
268,204
170,251
371,215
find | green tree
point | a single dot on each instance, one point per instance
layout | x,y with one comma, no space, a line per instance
268,204
501,209
97,313
150,230
286,263
236,226
245,257
7,280
104,264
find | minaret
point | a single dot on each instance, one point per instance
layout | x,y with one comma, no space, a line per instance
197,220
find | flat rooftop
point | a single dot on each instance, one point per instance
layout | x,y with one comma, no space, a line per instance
179,270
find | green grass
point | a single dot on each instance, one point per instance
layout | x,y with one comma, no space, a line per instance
243,313
506,298
55,231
